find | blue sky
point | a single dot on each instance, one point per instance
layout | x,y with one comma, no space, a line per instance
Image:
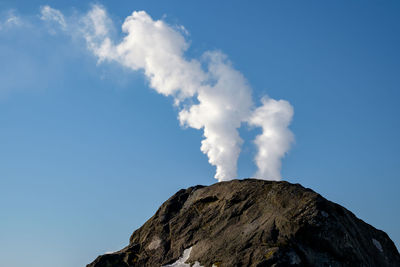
89,151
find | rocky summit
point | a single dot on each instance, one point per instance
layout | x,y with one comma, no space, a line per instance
253,223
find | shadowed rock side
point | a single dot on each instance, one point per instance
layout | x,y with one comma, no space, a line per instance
254,223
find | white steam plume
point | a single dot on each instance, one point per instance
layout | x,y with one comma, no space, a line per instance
274,118
223,96
220,96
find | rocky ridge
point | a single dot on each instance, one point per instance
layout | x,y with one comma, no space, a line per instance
253,223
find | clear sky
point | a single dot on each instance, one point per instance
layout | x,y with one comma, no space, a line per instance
88,151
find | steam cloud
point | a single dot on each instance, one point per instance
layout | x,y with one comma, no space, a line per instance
51,14
10,20
215,98
274,118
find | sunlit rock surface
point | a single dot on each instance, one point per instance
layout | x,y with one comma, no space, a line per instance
253,223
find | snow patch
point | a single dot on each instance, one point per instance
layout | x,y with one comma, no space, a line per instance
181,261
377,244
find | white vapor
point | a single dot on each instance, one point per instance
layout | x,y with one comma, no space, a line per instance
210,94
51,14
11,20
274,118
223,96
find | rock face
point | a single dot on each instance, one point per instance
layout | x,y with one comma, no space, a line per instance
254,223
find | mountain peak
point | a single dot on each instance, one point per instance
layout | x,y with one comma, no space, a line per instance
253,223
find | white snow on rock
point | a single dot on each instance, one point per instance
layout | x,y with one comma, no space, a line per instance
377,244
181,261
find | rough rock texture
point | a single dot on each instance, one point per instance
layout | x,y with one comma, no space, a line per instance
254,223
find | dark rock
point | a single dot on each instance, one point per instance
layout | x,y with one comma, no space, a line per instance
254,223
